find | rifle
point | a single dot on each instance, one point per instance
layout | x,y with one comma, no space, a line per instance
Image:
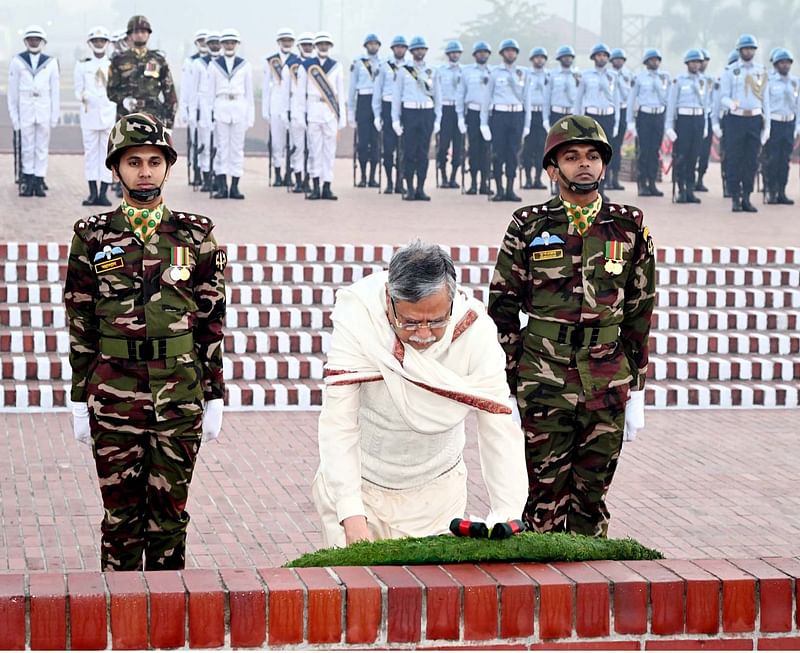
269,154
465,161
189,145
289,151
305,162
436,149
355,153
198,148
17,137
380,163
399,161
212,156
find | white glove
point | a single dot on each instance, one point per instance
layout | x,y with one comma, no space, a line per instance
765,135
797,130
515,416
615,132
130,103
705,131
462,126
486,132
634,416
437,127
672,135
80,423
378,124
398,128
15,125
525,132
351,118
632,130
212,419
546,125
717,130
53,123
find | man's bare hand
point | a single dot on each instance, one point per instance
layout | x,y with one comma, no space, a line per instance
355,529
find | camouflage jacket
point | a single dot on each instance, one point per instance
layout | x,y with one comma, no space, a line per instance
117,287
143,75
547,270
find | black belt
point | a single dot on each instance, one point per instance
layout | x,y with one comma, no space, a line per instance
147,349
576,335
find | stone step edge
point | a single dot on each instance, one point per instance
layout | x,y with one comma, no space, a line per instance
352,253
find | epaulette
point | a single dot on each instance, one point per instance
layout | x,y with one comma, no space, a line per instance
87,228
626,212
161,54
531,213
86,59
198,225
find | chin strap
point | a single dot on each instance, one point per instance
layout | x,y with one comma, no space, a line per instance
575,187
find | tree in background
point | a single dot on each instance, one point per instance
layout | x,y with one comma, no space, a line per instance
689,24
505,19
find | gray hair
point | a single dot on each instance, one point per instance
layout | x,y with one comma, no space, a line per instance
419,270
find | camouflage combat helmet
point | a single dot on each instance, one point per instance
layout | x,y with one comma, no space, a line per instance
139,22
139,129
575,129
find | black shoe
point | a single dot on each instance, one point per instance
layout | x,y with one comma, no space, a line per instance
500,196
771,198
485,190
314,194
644,191
38,188
26,187
92,199
682,197
511,196
472,190
102,198
538,185
700,187
693,199
373,184
327,193
736,205
653,190
235,194
422,196
747,207
206,187
362,183
44,184
389,188
278,181
221,182
453,184
298,182
528,185
782,199
409,195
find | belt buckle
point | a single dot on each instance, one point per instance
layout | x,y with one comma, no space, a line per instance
146,350
576,337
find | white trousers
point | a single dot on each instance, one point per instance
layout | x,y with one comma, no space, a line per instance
229,141
322,149
392,514
298,136
277,129
204,143
95,144
35,146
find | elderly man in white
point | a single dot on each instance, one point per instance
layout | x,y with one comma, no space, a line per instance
411,356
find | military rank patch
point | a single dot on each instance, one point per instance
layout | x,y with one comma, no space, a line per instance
107,266
651,248
220,260
109,258
548,254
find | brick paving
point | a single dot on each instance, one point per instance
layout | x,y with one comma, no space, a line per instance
696,484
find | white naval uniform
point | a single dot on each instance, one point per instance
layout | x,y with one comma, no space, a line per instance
188,85
297,128
231,85
322,123
98,115
33,104
273,110
200,104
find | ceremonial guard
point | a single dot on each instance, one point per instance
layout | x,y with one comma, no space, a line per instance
647,104
363,72
188,71
230,81
298,145
533,148
563,88
273,107
145,300
624,80
202,108
320,101
506,118
583,271
743,91
382,95
598,96
97,115
140,78
718,115
783,105
445,124
705,148
413,117
469,100
33,105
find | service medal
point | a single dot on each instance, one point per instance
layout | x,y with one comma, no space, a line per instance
179,264
175,273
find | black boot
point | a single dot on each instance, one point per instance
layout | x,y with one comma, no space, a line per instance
537,180
26,187
725,190
398,185
314,194
682,197
771,196
92,199
306,184
298,182
38,187
389,185
473,186
510,195
485,189
372,183
44,184
206,187
736,204
287,178
363,182
653,190
690,192
443,178
782,199
747,207
528,185
643,188
102,198
421,195
327,193
235,194
409,194
278,181
221,182
500,194
700,187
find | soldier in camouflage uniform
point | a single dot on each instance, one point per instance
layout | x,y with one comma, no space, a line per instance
140,79
584,273
145,297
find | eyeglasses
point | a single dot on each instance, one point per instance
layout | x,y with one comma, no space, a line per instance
427,324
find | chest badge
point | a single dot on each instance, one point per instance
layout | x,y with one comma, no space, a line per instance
179,264
109,258
614,257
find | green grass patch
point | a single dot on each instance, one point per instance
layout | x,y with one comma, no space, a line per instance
443,549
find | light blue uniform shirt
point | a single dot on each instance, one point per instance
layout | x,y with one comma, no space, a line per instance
741,85
650,88
537,90
688,91
384,83
362,77
507,86
563,89
783,94
445,90
624,83
472,90
408,89
599,89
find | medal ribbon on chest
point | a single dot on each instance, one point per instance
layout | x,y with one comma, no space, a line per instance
614,257
179,264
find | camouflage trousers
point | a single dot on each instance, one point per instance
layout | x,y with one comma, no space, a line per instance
145,454
571,455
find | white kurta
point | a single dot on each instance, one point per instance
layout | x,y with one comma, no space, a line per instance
391,430
231,86
97,114
33,104
322,124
